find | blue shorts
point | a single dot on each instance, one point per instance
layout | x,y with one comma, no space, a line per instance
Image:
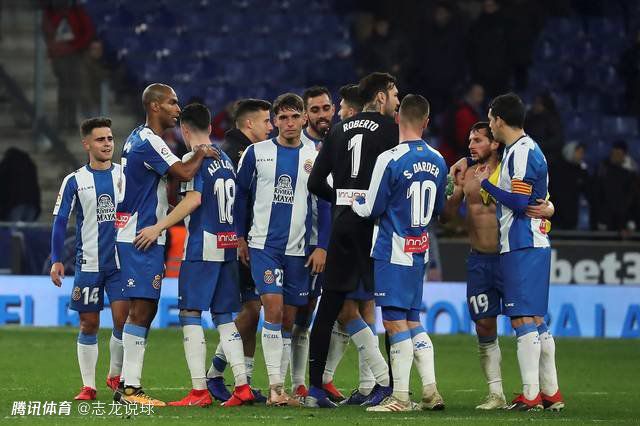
398,286
89,287
525,274
141,271
484,285
360,294
276,273
209,286
249,294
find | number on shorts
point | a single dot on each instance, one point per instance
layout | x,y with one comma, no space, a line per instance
480,303
90,295
279,277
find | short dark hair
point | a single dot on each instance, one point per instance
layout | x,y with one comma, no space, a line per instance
288,101
314,91
483,125
93,123
414,108
510,108
373,83
349,93
248,106
197,116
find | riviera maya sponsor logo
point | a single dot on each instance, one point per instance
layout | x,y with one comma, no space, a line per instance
106,210
283,192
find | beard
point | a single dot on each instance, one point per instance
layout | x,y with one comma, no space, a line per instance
322,131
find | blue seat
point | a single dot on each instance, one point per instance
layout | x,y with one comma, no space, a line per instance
621,126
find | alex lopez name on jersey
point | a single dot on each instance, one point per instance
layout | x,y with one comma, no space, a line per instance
422,166
217,164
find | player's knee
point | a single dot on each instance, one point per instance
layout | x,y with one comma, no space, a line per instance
394,320
221,319
368,311
273,314
349,312
89,324
486,327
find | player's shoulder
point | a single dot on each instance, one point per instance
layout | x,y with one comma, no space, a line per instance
70,179
187,156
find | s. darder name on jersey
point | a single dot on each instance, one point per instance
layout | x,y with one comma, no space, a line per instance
422,166
360,124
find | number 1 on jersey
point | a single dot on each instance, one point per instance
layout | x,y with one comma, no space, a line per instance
355,146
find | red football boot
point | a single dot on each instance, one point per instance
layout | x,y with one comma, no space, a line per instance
300,392
333,393
200,398
520,403
554,402
86,394
113,382
241,395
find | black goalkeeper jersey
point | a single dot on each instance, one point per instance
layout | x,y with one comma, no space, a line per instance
349,154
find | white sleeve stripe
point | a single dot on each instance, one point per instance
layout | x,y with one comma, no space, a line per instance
159,146
63,187
376,178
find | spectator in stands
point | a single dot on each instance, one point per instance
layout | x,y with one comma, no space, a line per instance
221,122
614,196
629,69
468,111
544,124
68,31
525,21
568,181
382,50
94,73
438,51
488,49
19,189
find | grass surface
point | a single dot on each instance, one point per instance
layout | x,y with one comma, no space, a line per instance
598,378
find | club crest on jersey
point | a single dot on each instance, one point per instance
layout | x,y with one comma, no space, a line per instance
308,165
157,280
75,295
283,192
131,282
106,210
269,278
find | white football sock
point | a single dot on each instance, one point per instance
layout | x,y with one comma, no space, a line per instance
337,347
116,351
299,355
195,350
529,359
286,354
232,345
272,349
363,338
248,365
218,363
366,378
548,371
423,353
134,342
87,349
401,360
490,359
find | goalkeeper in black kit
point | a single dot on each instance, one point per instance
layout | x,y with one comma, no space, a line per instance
349,154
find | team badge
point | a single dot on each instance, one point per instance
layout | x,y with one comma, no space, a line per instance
131,282
76,294
308,165
269,278
157,280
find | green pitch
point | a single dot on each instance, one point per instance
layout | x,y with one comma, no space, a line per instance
600,380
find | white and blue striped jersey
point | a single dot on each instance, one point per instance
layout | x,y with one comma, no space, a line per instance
94,195
210,232
146,158
282,206
316,203
523,171
407,188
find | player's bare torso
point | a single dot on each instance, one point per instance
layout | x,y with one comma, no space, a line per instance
481,221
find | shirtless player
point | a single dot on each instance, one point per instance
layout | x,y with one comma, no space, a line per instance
484,280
